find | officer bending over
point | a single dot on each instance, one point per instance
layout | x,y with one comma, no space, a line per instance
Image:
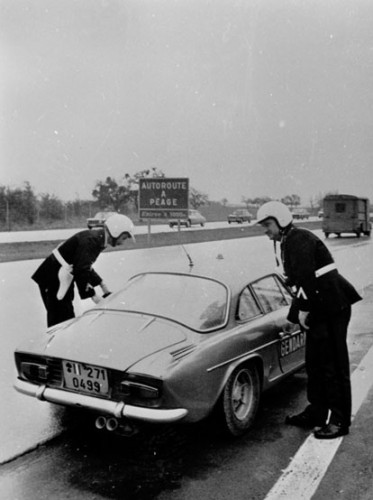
72,263
322,306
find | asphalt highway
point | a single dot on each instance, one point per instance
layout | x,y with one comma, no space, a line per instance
273,462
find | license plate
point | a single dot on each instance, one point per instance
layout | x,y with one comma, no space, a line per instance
85,378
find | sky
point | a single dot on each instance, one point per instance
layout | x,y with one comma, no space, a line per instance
246,98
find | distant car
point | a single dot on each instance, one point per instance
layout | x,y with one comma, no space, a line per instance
320,214
170,347
240,216
194,219
300,213
99,219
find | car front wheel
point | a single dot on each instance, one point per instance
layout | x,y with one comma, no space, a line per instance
240,399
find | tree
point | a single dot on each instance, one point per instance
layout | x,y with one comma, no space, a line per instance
18,204
197,199
29,203
224,202
249,201
292,200
257,202
133,182
51,207
110,194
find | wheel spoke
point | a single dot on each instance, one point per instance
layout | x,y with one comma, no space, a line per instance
241,397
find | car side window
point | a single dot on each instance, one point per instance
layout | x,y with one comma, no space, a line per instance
270,293
285,291
247,306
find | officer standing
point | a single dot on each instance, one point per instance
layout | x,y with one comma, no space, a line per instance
322,306
72,263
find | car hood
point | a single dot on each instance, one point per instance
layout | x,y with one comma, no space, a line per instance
112,339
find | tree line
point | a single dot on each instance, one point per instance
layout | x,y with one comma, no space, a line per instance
22,206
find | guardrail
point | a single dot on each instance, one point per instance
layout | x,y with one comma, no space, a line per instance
38,250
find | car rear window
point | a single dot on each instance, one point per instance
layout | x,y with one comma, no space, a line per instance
196,302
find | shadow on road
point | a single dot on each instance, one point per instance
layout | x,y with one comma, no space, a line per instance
159,458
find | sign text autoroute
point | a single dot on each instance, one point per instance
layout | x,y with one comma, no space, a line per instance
163,198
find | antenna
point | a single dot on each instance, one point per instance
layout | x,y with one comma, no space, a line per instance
191,264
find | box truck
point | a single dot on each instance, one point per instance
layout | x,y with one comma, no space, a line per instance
345,213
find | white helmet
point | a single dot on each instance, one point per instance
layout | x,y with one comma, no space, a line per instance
275,210
118,224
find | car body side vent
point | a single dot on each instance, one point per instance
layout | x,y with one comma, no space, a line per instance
183,351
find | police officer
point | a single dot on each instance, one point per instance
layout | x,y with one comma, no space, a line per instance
72,263
322,306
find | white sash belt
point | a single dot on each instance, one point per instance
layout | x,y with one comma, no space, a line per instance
325,269
65,275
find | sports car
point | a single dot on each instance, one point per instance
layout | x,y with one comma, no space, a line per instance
169,347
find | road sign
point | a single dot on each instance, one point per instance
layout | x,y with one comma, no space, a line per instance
163,198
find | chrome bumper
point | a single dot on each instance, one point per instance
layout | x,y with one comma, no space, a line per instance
118,410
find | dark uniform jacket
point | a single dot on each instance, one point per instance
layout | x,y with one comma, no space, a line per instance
303,253
81,251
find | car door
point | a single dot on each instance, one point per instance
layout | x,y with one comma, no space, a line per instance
259,332
275,300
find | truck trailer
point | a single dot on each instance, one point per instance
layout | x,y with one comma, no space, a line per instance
344,213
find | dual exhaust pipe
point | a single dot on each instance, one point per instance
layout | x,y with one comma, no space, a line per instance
112,424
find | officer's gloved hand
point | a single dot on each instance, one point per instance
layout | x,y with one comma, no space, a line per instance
96,299
105,289
303,319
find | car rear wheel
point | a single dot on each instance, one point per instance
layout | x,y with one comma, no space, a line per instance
240,399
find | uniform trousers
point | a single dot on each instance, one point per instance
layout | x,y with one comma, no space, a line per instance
57,310
328,367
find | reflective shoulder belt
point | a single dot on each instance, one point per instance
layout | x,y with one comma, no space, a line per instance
65,276
60,259
325,270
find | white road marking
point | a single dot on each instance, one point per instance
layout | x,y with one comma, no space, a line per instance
301,478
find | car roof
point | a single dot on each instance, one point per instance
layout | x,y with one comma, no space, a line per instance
104,213
226,270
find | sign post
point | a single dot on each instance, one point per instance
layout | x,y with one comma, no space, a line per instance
163,198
